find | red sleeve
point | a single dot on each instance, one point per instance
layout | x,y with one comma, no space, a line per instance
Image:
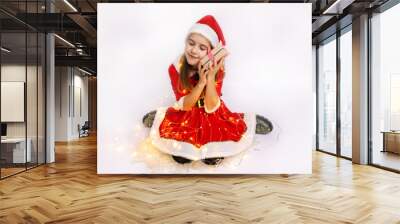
174,76
219,82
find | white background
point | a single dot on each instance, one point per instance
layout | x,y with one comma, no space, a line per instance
12,100
268,72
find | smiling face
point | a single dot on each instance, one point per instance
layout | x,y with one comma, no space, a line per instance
196,48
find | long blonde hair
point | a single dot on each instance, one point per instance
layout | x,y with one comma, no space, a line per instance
184,70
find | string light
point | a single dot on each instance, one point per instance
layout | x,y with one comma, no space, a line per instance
119,149
198,127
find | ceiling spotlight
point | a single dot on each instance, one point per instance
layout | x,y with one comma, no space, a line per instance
70,5
338,6
64,40
84,71
5,50
79,51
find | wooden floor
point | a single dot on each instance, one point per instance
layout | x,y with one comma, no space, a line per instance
387,159
10,171
70,191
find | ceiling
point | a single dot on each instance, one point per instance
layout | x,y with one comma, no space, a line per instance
75,22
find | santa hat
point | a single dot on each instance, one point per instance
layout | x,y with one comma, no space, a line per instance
209,28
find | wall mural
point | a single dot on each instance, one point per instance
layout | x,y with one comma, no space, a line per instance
206,92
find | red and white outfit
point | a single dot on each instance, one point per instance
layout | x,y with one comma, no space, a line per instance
201,132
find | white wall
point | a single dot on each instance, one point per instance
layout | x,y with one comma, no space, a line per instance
80,94
314,87
70,83
62,81
15,72
33,127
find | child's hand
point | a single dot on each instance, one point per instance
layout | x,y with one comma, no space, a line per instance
202,75
214,68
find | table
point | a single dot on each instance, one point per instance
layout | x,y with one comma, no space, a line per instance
391,141
15,148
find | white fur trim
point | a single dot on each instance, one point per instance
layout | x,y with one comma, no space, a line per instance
206,31
213,109
178,105
209,150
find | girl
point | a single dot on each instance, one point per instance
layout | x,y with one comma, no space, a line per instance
200,126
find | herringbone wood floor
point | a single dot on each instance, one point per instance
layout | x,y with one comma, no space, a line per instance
70,191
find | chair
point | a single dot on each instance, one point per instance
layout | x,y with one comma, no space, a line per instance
84,130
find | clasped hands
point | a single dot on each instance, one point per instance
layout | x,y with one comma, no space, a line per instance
207,73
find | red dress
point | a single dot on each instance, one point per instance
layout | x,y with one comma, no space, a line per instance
196,126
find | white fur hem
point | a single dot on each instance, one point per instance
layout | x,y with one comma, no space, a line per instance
209,150
179,104
213,109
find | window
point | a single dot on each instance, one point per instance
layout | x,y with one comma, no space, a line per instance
22,66
327,96
346,93
385,89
